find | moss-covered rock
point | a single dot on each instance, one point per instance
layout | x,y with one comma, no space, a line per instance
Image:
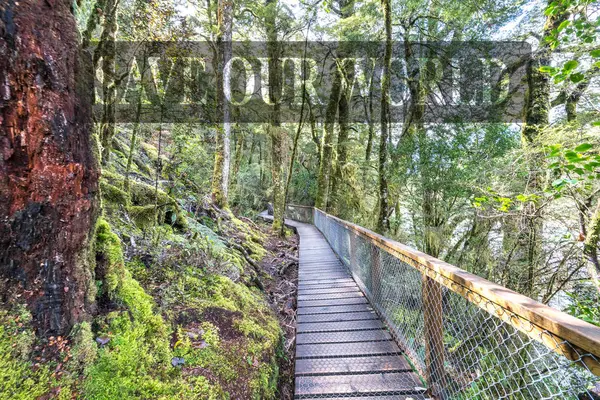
143,216
113,194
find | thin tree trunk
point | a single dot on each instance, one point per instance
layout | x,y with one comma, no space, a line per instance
252,148
590,246
220,179
132,142
300,122
239,154
383,223
108,53
48,172
317,140
276,132
134,132
371,137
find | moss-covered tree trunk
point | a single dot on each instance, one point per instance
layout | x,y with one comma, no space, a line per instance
133,141
537,107
371,129
107,51
383,223
48,172
590,246
276,132
323,179
239,153
220,179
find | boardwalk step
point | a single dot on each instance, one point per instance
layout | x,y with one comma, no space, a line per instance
326,270
321,286
320,263
307,278
331,302
325,296
335,309
343,289
320,275
351,365
342,337
327,282
322,269
347,349
351,316
339,326
386,383
397,397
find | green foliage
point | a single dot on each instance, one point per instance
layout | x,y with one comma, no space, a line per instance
585,308
578,31
574,169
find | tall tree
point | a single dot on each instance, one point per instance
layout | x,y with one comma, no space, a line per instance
276,131
107,52
327,150
339,177
48,173
536,111
383,222
220,180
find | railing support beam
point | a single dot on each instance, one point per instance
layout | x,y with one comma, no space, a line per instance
434,336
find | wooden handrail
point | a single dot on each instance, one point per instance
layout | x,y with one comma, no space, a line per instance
539,321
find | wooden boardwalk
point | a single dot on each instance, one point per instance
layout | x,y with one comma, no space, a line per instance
343,349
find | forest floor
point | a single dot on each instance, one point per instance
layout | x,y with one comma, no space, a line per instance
191,301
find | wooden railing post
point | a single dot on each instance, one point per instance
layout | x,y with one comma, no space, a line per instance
352,250
433,331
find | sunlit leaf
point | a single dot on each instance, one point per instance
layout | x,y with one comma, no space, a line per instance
583,147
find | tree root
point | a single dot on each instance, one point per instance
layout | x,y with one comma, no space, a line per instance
249,260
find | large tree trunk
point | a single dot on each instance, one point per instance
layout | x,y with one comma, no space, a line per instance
383,223
220,179
338,184
48,172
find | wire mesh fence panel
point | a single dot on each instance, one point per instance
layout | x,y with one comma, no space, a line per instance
462,344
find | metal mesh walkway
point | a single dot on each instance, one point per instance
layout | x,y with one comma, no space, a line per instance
467,337
343,349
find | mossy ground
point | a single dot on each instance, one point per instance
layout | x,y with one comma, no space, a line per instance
177,315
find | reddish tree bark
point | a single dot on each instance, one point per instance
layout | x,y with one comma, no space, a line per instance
48,172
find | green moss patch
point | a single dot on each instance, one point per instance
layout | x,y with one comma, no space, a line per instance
18,377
